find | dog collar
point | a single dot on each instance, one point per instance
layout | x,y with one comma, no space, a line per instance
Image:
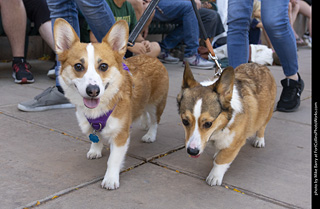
125,67
99,123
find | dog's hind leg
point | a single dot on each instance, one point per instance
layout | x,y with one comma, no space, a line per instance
150,136
259,141
145,121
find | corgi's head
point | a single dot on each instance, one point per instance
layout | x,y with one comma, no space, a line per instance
204,109
90,70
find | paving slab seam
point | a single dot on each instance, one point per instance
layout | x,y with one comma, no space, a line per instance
292,121
166,153
230,187
45,127
309,97
88,183
61,193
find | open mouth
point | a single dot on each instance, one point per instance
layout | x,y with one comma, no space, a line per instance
195,156
91,102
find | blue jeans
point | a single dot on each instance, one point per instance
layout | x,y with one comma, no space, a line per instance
97,13
179,12
275,19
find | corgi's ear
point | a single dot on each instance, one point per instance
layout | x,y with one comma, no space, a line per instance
188,79
117,37
64,35
224,86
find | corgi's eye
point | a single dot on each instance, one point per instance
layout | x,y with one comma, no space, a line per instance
103,67
207,124
185,122
78,67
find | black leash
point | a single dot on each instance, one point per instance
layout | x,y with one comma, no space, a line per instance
207,41
142,21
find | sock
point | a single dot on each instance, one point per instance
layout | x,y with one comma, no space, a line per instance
60,89
18,60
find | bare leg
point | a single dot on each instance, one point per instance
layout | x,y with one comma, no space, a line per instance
14,25
305,9
45,31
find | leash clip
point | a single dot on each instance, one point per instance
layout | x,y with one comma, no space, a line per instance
215,59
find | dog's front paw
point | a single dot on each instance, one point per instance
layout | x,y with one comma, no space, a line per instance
216,174
258,142
94,154
213,180
111,182
95,151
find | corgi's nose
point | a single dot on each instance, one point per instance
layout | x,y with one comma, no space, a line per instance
192,151
93,90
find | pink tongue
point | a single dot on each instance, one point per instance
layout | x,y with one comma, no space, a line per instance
91,103
196,156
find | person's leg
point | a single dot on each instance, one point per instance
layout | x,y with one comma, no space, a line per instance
212,22
66,9
45,31
180,12
239,13
38,12
53,97
275,19
306,10
15,28
98,16
14,25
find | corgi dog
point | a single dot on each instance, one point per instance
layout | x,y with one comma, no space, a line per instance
227,110
109,92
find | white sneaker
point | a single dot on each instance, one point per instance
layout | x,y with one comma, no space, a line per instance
165,57
52,71
196,61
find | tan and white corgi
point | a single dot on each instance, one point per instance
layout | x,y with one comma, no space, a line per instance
227,110
107,96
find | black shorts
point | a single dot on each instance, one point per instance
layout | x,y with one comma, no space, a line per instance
37,11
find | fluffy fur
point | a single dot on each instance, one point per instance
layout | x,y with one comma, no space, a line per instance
227,110
93,79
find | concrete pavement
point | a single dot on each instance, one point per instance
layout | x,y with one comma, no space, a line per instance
43,157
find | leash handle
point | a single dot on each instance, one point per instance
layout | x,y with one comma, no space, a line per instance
142,21
207,41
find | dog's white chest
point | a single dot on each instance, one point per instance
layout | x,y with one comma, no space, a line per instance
222,139
112,128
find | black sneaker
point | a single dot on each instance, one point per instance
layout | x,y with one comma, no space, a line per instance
290,96
21,73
